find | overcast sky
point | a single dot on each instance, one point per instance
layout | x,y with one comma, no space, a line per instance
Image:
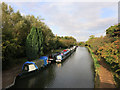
77,19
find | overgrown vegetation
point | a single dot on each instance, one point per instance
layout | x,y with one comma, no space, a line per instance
96,66
21,34
107,48
82,44
96,63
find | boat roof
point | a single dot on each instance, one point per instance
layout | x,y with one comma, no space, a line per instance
44,58
29,62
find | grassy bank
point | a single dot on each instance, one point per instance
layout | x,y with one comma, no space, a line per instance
96,66
117,80
101,70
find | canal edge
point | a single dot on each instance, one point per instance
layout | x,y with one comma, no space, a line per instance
10,85
96,66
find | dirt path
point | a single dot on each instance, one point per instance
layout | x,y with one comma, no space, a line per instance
106,77
8,76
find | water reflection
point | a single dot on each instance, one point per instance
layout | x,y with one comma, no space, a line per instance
75,72
58,65
37,80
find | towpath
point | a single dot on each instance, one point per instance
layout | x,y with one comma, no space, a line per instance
106,77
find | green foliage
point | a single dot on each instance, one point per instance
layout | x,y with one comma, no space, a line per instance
113,31
67,41
40,41
96,63
92,37
81,43
18,38
34,43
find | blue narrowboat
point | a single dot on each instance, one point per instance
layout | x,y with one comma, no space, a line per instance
31,66
45,59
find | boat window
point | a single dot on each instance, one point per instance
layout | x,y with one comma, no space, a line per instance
50,56
32,67
26,68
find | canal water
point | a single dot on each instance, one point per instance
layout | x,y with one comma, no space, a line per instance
75,72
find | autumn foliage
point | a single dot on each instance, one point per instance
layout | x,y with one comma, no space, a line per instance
108,47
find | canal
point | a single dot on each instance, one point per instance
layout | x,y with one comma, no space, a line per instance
75,72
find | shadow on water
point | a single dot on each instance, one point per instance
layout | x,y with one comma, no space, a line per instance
36,80
75,72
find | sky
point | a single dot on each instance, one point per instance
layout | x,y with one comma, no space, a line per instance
77,19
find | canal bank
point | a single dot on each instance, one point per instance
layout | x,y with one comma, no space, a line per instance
9,75
103,74
75,72
96,69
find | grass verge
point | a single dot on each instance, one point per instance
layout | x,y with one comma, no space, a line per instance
117,80
96,66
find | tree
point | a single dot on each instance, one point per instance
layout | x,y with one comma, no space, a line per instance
40,41
81,43
34,43
113,31
19,40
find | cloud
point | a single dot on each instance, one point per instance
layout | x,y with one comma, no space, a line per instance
81,19
60,0
78,19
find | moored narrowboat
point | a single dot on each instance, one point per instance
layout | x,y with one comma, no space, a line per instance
45,59
52,57
64,54
32,66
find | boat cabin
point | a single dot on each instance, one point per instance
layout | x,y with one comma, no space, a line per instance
32,65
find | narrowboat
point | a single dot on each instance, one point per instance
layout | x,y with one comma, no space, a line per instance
31,66
52,57
64,54
45,59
